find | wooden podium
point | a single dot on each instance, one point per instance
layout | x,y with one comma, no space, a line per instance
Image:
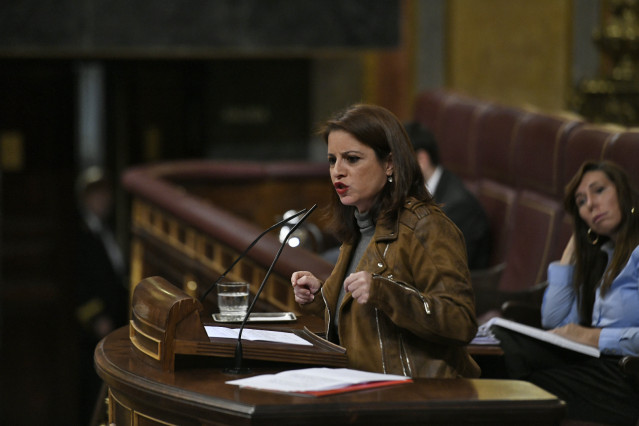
137,363
141,394
165,322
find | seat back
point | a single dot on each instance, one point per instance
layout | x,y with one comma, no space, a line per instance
428,107
457,135
534,224
539,157
497,200
588,142
536,216
624,150
495,143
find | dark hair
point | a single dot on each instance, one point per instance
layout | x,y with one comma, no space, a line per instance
423,139
591,261
379,129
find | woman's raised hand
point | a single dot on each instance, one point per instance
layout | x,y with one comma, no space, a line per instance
359,285
568,256
305,286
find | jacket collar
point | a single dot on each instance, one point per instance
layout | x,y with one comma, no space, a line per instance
389,232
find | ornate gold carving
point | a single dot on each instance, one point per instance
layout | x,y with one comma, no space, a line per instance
614,96
205,250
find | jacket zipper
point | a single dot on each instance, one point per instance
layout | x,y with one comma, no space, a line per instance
379,339
404,357
409,288
390,277
328,324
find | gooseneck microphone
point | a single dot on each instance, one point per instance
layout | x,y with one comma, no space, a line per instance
281,222
238,349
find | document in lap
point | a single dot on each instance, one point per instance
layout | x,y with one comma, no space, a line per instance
544,335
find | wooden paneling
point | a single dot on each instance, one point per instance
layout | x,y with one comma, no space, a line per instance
511,51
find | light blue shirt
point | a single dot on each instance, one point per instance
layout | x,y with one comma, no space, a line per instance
617,314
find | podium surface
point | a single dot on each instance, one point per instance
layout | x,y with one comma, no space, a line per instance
196,394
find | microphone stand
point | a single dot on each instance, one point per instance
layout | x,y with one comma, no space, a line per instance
238,369
288,219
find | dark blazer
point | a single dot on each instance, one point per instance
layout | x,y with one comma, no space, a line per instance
99,281
461,206
100,291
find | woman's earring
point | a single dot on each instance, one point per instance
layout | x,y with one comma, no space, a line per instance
390,178
590,234
632,210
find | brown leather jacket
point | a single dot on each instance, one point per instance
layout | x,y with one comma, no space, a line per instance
420,313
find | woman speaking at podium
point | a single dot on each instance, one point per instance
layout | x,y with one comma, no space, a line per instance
399,298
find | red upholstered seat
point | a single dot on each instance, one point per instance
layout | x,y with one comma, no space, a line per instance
586,143
494,146
428,107
520,161
537,150
457,135
624,150
534,224
497,200
495,131
539,144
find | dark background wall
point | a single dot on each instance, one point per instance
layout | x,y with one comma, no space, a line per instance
174,27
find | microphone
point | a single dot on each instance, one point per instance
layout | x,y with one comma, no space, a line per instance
238,349
285,220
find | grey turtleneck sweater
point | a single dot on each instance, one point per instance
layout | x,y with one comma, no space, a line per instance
366,230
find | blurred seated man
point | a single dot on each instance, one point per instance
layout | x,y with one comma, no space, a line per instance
457,202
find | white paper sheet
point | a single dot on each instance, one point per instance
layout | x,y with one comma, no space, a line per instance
545,336
252,334
313,379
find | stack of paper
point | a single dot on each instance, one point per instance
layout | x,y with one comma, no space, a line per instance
319,381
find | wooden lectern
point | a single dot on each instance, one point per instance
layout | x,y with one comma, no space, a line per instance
144,387
165,321
139,394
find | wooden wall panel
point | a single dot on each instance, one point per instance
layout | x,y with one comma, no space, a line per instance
511,51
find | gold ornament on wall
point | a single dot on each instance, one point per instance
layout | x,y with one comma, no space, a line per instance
613,97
